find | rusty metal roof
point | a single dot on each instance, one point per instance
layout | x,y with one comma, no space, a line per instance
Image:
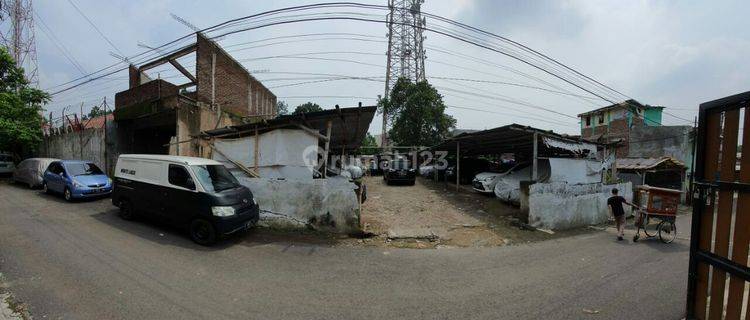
647,163
348,125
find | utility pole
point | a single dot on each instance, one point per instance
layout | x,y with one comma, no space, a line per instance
19,37
405,47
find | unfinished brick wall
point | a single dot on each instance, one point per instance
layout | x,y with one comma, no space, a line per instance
149,91
223,82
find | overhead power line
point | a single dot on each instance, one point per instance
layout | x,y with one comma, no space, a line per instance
95,27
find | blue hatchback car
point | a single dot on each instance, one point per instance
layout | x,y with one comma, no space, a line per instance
76,179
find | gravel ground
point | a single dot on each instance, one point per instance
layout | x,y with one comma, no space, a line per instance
431,214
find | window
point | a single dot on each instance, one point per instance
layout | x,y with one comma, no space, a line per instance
588,121
56,168
215,178
178,176
601,118
83,169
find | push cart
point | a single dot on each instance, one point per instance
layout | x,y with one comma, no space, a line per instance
657,209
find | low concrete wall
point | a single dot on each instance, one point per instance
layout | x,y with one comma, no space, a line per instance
559,205
326,204
88,145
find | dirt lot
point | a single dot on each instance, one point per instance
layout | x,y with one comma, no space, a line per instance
431,214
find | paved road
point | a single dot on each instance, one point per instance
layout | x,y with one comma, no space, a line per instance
80,261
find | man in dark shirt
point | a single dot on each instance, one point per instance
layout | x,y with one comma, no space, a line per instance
615,209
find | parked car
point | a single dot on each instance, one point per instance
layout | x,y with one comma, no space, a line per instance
31,171
400,170
485,182
6,164
196,193
76,179
508,187
469,168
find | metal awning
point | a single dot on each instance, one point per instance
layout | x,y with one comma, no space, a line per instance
648,163
348,126
518,139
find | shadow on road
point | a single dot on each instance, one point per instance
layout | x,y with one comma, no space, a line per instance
162,233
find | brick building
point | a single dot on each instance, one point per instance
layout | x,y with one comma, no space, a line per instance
614,123
159,117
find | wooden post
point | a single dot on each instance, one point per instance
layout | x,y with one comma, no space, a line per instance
458,165
256,158
328,144
535,164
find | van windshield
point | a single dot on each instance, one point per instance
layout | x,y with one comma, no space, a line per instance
215,178
80,169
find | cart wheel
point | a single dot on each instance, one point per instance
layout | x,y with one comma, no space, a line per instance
667,231
649,228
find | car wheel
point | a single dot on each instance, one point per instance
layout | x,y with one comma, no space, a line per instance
44,188
68,195
126,210
202,232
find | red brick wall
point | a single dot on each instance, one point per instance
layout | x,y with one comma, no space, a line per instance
148,91
236,91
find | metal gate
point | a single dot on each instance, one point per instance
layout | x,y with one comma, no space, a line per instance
720,232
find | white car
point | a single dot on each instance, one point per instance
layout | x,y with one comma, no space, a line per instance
485,182
6,164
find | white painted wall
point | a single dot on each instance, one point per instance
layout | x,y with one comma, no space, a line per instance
281,154
572,170
559,205
328,204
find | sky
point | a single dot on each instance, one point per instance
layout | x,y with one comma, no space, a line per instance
677,54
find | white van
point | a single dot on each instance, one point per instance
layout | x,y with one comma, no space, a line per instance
196,193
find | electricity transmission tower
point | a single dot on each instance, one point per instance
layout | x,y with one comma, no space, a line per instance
405,50
18,36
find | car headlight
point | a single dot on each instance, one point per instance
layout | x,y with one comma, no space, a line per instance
222,211
76,184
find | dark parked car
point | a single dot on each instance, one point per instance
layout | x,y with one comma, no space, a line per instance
196,193
400,170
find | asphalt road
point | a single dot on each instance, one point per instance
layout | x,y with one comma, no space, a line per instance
80,261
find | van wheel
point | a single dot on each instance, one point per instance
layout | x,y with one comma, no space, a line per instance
126,210
202,232
68,195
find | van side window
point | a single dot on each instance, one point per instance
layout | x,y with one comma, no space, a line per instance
178,176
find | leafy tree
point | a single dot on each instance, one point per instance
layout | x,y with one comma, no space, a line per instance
307,107
417,113
97,111
369,145
20,108
281,108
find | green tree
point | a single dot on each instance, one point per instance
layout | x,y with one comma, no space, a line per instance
369,145
20,108
307,107
281,108
417,114
97,111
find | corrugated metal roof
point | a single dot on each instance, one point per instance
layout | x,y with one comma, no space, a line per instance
647,163
513,138
348,125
